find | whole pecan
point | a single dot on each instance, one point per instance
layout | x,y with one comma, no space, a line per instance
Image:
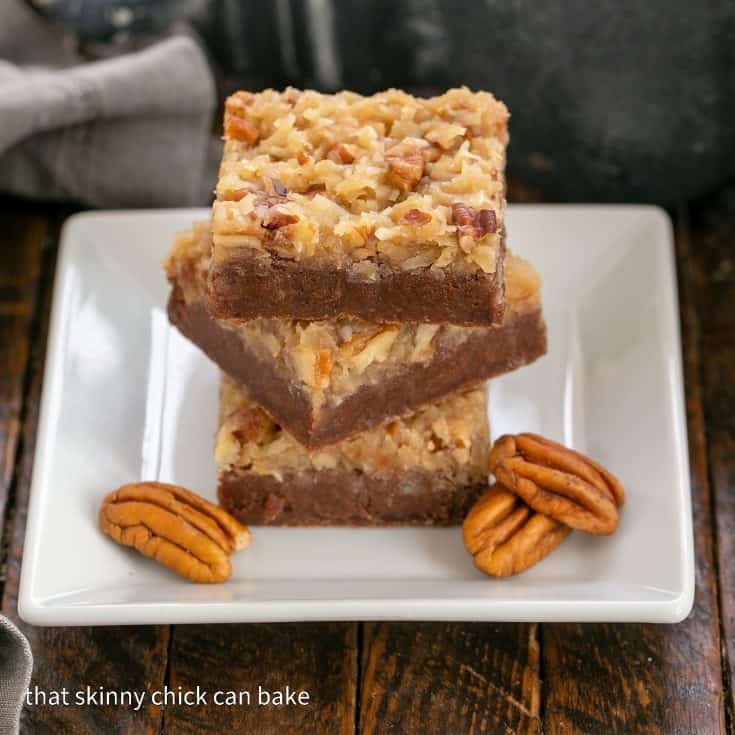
558,482
505,536
175,527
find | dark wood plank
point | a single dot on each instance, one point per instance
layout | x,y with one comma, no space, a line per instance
450,678
316,658
21,245
607,679
114,658
713,263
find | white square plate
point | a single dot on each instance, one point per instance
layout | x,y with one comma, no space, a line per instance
126,398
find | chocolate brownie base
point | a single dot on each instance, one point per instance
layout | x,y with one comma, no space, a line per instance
487,354
333,497
243,287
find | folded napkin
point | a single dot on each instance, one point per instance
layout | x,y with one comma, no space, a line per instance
16,662
129,131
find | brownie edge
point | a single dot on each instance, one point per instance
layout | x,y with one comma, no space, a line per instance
487,354
334,497
282,288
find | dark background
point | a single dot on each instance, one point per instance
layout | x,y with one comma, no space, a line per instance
612,100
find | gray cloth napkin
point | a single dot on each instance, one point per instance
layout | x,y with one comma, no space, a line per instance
16,663
129,131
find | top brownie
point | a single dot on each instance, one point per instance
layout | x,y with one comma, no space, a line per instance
388,208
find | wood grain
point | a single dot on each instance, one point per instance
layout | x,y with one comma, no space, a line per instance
21,244
74,658
316,658
450,678
713,264
608,679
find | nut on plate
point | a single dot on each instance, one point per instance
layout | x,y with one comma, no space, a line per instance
505,536
558,482
175,527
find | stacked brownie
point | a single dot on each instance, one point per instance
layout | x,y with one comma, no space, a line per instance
354,287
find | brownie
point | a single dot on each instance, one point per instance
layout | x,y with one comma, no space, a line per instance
386,208
324,381
424,469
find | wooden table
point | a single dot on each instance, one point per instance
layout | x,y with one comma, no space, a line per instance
447,678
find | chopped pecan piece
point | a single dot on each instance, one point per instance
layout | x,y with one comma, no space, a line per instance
463,215
473,223
405,166
275,219
558,482
505,536
239,129
486,221
415,217
279,187
339,154
175,527
252,425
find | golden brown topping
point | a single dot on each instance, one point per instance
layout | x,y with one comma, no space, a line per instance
235,195
237,103
415,217
431,153
239,129
175,527
323,367
339,154
253,425
505,536
460,419
522,280
275,219
354,163
558,482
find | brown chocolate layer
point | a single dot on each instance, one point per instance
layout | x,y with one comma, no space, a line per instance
484,355
333,497
282,288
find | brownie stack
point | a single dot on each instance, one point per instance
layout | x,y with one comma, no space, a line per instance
354,287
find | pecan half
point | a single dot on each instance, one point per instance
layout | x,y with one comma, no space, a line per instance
175,527
505,537
558,482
